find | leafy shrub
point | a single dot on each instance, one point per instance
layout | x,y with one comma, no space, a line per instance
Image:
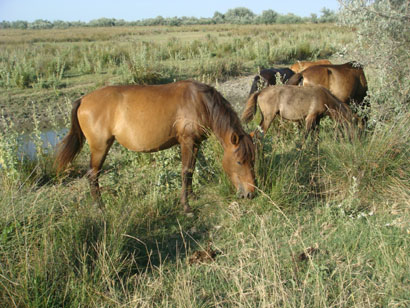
383,46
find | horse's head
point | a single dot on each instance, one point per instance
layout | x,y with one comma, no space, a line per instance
238,161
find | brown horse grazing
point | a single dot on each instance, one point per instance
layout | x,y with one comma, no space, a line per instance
346,81
154,118
297,103
301,65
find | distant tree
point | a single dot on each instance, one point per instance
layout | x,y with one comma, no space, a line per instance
120,22
218,17
40,24
19,24
327,15
240,15
313,18
157,21
102,22
268,17
289,19
5,24
77,24
205,21
174,21
60,24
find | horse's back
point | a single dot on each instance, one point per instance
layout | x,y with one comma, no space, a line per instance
141,118
293,102
302,65
345,81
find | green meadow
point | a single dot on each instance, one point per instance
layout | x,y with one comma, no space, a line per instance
329,226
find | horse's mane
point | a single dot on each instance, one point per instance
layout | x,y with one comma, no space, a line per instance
223,119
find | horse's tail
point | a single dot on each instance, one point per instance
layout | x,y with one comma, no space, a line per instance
255,84
295,80
250,108
72,144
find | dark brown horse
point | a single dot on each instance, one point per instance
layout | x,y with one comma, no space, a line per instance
296,104
301,65
268,77
346,81
154,118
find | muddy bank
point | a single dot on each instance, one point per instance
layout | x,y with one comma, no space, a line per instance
49,107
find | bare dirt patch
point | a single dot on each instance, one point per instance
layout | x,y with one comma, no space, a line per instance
236,91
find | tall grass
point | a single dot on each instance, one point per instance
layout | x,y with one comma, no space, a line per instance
307,239
48,64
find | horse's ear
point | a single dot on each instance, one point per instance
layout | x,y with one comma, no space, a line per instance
235,138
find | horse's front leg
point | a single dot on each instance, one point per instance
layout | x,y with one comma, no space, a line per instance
189,151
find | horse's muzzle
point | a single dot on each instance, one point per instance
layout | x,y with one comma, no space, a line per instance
245,195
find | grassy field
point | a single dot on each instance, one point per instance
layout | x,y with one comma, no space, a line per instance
48,66
329,226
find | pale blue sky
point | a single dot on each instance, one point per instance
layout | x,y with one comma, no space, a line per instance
84,10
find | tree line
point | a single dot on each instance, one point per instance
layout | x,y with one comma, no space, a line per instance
239,15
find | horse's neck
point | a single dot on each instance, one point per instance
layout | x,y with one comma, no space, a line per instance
222,120
223,137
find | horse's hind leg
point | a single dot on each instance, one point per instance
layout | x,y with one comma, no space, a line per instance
98,154
312,123
266,121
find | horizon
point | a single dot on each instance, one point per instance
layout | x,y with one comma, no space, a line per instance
85,11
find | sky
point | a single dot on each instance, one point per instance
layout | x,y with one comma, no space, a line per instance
129,10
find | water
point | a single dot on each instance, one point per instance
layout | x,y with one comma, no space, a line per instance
27,148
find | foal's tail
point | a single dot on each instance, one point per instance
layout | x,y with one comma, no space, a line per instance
250,108
255,84
72,144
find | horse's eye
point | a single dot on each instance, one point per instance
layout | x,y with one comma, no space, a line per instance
239,163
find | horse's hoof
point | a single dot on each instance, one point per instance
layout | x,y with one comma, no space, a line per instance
189,215
188,211
99,207
193,196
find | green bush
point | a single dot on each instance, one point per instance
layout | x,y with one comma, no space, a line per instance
383,47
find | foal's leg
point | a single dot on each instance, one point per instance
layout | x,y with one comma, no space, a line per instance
312,123
266,122
189,151
98,155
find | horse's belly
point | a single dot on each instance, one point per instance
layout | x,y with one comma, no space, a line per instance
293,115
146,137
143,145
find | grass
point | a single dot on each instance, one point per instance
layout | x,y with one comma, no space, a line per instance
45,58
329,226
50,66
